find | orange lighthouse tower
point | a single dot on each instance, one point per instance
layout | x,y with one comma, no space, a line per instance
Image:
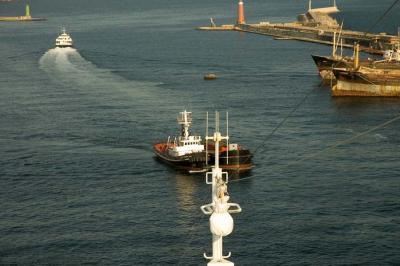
240,18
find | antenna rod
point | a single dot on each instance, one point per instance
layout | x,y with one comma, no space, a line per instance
334,44
341,47
216,140
207,138
227,140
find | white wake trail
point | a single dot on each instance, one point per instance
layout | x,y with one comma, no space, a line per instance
67,67
78,77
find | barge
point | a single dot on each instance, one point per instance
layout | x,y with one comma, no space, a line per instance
379,78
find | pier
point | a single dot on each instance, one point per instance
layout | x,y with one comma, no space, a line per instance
25,18
317,26
369,42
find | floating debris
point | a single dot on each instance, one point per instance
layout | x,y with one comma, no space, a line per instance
210,76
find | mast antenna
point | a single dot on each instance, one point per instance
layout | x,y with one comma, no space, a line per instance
227,141
221,222
206,139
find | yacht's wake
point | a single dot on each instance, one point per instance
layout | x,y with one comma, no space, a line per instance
68,67
80,80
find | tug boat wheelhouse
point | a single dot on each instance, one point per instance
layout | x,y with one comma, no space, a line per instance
64,40
185,152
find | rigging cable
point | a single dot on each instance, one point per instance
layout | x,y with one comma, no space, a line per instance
296,107
381,17
333,146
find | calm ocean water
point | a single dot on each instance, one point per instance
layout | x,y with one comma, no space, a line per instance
78,180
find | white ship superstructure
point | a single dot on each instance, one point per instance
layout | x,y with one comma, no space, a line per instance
186,144
185,152
64,40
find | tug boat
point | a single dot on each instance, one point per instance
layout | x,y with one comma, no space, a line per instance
193,155
64,40
185,152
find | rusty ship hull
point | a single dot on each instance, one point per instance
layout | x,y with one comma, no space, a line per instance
368,81
325,65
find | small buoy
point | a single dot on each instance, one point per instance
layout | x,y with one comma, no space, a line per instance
210,76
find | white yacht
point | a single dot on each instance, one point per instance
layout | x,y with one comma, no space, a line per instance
64,40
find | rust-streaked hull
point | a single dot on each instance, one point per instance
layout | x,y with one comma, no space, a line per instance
325,64
370,82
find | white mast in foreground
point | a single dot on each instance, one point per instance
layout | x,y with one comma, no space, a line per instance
221,222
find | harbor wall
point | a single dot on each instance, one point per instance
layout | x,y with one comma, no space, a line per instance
370,43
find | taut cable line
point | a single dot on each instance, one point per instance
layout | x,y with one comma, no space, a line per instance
333,146
381,17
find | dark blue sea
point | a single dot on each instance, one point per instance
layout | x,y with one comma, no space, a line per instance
79,184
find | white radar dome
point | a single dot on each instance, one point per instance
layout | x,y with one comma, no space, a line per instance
221,224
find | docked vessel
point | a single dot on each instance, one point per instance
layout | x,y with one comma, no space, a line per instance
64,40
326,64
378,78
193,155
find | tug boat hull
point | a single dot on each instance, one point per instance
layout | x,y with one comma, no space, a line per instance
238,160
193,163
